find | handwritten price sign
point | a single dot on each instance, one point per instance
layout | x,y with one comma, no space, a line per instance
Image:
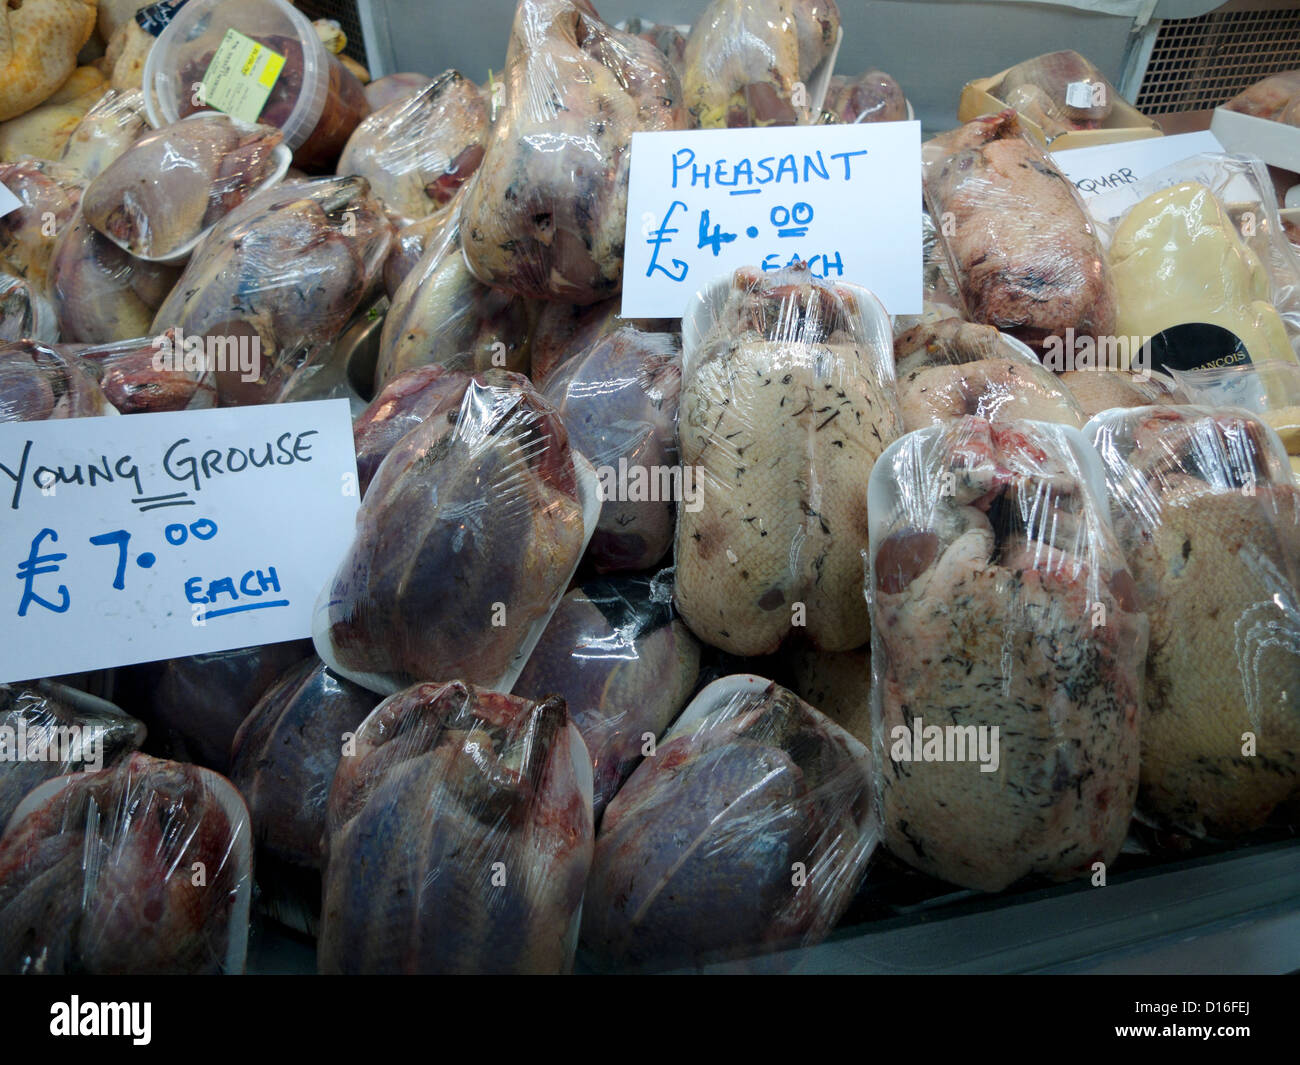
846,200
152,536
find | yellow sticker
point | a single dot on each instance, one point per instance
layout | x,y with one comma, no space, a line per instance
241,76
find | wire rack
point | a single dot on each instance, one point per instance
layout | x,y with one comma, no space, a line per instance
1199,63
344,12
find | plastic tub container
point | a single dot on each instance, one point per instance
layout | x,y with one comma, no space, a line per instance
299,87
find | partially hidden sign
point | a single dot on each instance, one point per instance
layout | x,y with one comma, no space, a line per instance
846,200
133,538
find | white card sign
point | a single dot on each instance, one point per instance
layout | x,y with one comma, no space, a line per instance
130,539
846,200
1104,168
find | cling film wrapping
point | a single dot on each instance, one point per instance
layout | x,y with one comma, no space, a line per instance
105,131
788,397
1007,653
1059,92
136,379
459,837
1209,518
40,383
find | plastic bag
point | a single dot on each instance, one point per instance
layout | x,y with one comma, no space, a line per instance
97,874
442,314
50,730
544,217
624,665
1273,98
1023,250
24,313
49,195
746,60
1209,517
694,857
417,153
459,837
100,293
160,196
38,383
278,280
466,540
285,753
618,400
950,368
788,397
1006,653
1059,92
1101,389
1269,390
106,131
135,381
870,97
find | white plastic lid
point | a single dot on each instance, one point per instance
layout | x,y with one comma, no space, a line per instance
179,61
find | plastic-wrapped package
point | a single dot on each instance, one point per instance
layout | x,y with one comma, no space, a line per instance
618,400
1209,517
285,753
544,217
25,314
49,195
1024,252
282,275
1059,91
1273,98
1006,649
425,394
870,97
750,829
442,314
194,706
409,244
667,38
49,730
158,198
41,39
39,383
100,874
394,88
459,837
744,59
130,378
466,540
838,683
1269,390
106,131
417,153
625,667
563,330
950,369
788,397
1098,390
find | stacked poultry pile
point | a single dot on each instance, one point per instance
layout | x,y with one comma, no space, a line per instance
905,585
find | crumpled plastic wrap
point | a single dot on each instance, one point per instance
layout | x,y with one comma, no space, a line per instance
1059,92
870,97
285,271
1276,98
466,539
394,88
625,666
1209,517
171,185
1000,600
950,369
49,194
563,330
284,756
749,830
788,397
50,730
106,131
101,293
144,868
409,244
1098,390
459,837
667,38
442,314
745,60
39,383
544,217
1025,254
25,314
618,400
135,381
417,153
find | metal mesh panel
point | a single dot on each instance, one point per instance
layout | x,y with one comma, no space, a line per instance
344,12
1199,63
